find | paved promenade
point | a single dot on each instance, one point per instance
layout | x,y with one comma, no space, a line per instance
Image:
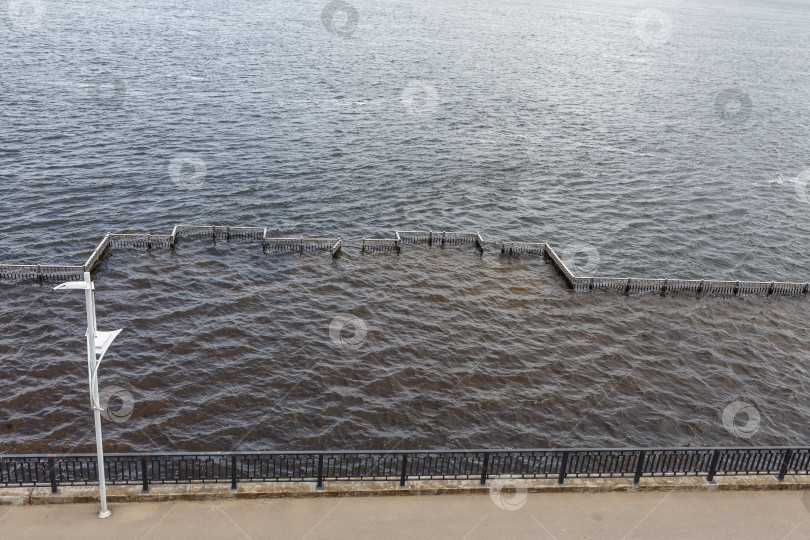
672,514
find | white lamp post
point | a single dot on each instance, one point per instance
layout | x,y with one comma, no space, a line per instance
97,345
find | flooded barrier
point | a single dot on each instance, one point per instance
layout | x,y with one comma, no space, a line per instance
622,285
442,238
303,244
40,272
380,244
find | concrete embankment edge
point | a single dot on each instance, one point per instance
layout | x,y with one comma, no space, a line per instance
202,492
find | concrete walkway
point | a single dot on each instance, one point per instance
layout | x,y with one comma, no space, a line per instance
673,514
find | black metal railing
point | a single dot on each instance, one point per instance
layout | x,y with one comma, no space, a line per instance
559,464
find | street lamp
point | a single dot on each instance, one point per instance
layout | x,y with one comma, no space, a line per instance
97,345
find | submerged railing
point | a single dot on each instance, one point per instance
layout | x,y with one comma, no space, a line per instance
558,464
56,273
625,285
652,285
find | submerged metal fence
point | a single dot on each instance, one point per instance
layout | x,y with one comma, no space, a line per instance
243,467
627,285
40,272
56,273
624,285
442,238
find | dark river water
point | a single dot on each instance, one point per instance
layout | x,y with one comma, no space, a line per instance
662,140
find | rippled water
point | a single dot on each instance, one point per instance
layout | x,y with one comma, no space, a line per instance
225,347
672,142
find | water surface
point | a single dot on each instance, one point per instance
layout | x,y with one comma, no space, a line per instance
670,141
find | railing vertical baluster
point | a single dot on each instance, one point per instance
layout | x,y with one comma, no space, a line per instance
403,477
563,468
319,485
52,474
713,466
785,464
144,475
233,472
485,469
639,467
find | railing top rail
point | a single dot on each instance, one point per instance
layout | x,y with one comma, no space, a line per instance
422,451
437,232
232,227
303,238
138,234
41,265
678,280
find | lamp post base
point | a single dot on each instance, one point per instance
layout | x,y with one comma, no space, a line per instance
104,514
